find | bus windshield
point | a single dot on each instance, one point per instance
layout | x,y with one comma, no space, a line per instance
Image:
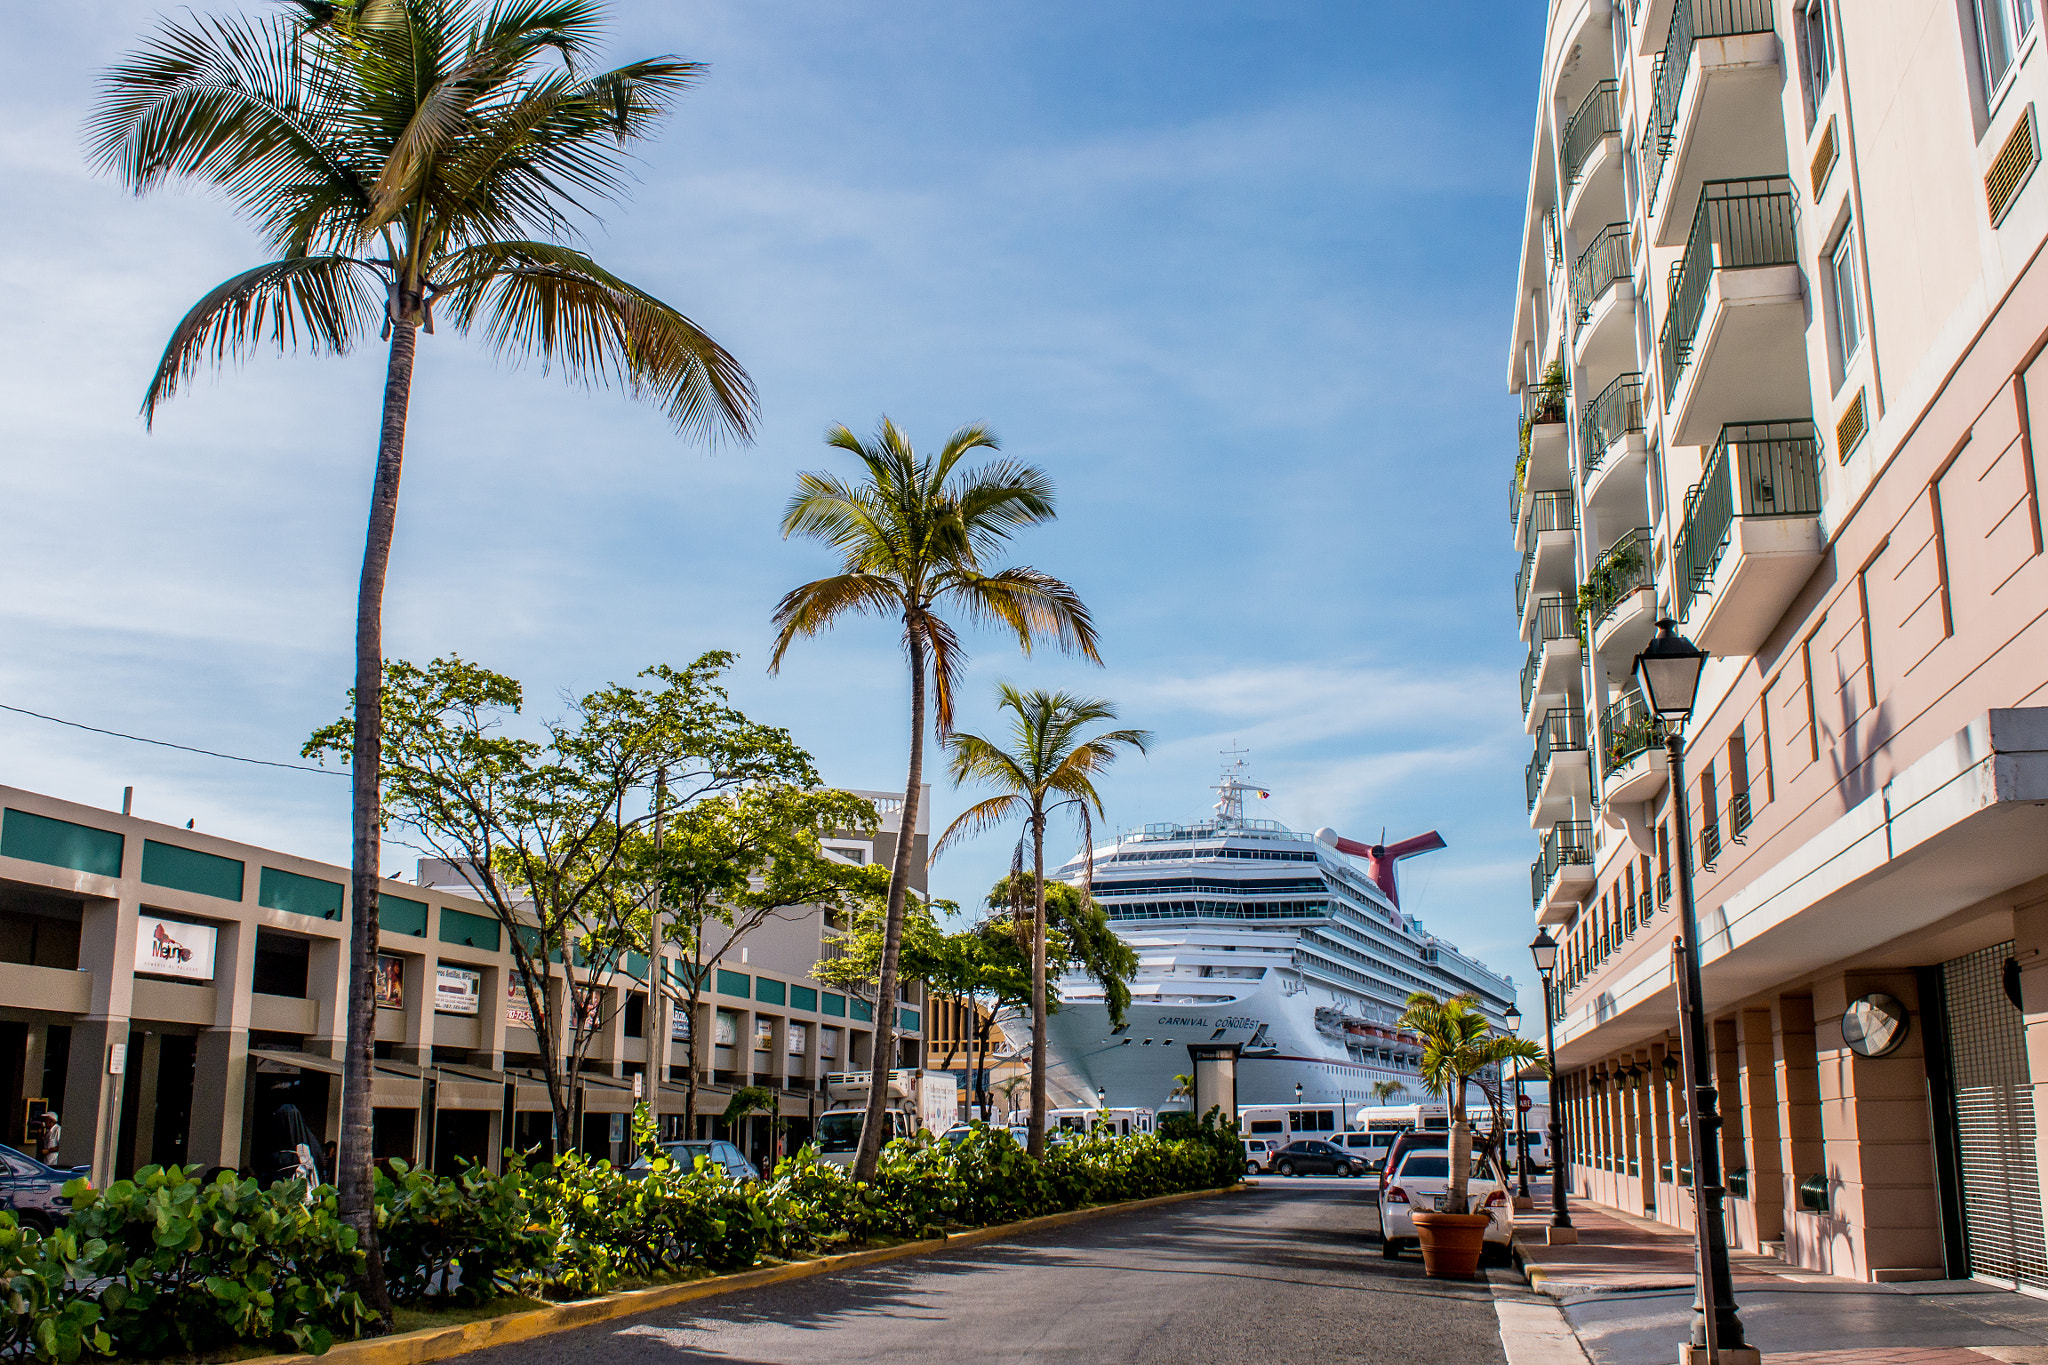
838,1133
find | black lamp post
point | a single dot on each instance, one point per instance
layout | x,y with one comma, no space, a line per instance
1513,1020
1544,951
1668,672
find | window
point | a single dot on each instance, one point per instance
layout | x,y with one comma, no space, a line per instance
1848,313
2001,25
1816,54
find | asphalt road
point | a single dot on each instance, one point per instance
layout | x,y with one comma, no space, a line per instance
1290,1272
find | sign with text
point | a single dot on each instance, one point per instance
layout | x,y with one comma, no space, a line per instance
457,990
518,1013
390,982
165,947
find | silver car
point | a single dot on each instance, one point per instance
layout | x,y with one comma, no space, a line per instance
718,1153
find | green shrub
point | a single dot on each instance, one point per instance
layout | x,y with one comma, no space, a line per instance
461,1239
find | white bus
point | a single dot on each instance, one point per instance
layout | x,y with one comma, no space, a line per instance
1122,1122
1284,1123
1395,1118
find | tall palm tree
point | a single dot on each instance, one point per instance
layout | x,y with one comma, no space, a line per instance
1049,765
403,158
913,536
1458,1044
1383,1092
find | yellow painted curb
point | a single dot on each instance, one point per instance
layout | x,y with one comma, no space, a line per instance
440,1343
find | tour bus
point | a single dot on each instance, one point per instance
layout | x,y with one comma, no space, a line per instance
1122,1122
1285,1123
1395,1118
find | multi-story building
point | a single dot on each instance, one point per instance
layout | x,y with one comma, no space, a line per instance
1777,338
954,1043
169,992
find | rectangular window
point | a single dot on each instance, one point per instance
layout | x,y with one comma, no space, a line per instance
1848,312
1816,54
2001,26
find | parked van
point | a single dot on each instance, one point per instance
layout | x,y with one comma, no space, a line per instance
1285,1123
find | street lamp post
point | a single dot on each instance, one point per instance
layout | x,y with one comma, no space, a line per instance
1513,1019
1544,951
1668,672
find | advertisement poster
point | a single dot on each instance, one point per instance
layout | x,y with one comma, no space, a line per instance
764,1034
799,1039
165,947
679,1024
517,1013
728,1034
828,1043
390,982
457,990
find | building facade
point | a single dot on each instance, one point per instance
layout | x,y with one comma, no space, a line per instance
1777,339
170,994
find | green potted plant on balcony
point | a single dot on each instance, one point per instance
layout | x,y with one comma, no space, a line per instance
1546,404
1458,1043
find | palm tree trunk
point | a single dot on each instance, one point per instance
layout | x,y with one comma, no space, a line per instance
1038,1010
357,1183
868,1156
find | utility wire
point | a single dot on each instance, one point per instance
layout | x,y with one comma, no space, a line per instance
166,744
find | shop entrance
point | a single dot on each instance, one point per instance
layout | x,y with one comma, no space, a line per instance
1989,1121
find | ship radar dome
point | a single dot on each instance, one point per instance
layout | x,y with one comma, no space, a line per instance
1327,835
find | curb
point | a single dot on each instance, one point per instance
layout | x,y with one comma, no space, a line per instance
441,1343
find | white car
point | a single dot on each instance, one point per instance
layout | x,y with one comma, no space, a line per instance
1258,1154
1419,1184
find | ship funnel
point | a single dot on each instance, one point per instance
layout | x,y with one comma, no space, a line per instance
1381,858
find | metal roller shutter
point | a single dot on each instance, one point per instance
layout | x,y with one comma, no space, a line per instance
1994,1107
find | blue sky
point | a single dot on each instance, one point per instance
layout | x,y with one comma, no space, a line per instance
1238,276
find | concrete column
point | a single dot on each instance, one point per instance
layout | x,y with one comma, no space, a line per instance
327,988
1661,1145
221,1064
1761,1217
91,1115
1728,1084
145,1061
1648,1088
1799,1125
490,1052
417,1047
610,1045
2030,950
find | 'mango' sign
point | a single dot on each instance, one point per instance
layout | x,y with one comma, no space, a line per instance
168,947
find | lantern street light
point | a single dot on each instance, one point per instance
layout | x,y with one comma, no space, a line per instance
1513,1020
1544,951
1668,672
1297,1092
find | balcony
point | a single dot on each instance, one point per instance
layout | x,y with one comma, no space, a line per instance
1559,777
1603,298
1734,339
1713,105
1547,562
1620,597
1751,536
1589,149
1612,447
1553,664
1633,764
1546,456
1563,875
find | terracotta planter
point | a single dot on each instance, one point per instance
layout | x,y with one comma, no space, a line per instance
1451,1243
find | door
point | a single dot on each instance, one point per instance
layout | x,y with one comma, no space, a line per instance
1992,1123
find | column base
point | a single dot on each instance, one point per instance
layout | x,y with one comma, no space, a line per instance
1728,1355
1562,1237
1523,1203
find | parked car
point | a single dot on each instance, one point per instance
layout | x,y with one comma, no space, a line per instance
1315,1157
1258,1154
1406,1142
1419,1182
1373,1147
719,1153
33,1192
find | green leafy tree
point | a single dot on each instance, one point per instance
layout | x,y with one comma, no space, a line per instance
1051,765
914,537
1459,1045
403,158
543,828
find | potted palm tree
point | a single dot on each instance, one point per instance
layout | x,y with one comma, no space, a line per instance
1458,1044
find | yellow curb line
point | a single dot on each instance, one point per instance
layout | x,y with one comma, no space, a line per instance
440,1343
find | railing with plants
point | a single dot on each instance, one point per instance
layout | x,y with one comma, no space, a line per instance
1623,569
1605,260
1543,402
1614,412
1560,732
1691,20
1569,843
1625,731
1598,116
1739,224
1757,469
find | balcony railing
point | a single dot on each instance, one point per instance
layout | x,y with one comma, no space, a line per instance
1561,732
1614,412
1553,238
1656,137
1605,260
1599,114
1664,887
1691,20
1570,842
1740,815
1553,622
1522,576
1514,499
1739,224
1710,845
1758,469
1556,510
1625,731
1623,569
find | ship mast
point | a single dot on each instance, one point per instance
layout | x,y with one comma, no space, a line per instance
1231,789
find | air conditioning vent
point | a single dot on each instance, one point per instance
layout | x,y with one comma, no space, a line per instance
2015,162
1824,158
1850,426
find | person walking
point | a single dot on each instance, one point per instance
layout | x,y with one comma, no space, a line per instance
49,1139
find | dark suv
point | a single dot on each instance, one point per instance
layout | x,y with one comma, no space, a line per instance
33,1192
1310,1157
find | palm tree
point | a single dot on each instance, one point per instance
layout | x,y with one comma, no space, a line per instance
1459,1043
404,158
912,538
1049,765
1383,1092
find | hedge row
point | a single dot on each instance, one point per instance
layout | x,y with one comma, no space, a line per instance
164,1265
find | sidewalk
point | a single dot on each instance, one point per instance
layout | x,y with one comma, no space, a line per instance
1626,1289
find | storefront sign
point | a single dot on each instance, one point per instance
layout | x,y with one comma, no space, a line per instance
457,990
679,1024
166,947
390,982
518,1014
764,1034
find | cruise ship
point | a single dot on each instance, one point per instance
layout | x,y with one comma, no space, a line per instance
1292,945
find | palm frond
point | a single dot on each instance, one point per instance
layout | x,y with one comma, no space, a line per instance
536,297
327,300
975,759
948,659
982,815
1031,603
816,605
